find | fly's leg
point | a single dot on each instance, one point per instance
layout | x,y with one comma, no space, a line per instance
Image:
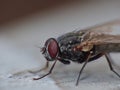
96,57
63,61
50,71
110,65
83,68
42,69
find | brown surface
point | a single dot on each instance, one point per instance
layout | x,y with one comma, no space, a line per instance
13,9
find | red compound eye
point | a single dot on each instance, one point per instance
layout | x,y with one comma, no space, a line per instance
53,48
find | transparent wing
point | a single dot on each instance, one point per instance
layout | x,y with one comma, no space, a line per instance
104,39
105,27
102,28
103,34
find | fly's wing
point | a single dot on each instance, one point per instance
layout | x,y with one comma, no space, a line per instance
102,43
97,39
105,34
102,28
105,27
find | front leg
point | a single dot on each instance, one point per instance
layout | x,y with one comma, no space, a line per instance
50,71
64,61
42,69
110,65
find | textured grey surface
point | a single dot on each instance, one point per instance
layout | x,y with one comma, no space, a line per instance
18,50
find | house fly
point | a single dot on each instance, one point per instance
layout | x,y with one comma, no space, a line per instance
83,46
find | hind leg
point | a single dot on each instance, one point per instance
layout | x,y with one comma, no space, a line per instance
110,65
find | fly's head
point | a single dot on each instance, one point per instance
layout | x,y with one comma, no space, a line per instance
50,49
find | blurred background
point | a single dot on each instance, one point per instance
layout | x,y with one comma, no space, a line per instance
27,24
12,10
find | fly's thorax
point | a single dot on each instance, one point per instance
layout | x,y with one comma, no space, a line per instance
67,42
67,52
67,47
